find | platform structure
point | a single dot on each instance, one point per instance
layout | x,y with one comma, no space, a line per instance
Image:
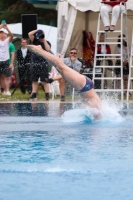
130,78
110,39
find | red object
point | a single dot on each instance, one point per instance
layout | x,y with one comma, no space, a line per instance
108,49
14,80
114,3
88,47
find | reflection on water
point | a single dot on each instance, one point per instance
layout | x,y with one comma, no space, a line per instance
43,158
46,109
33,109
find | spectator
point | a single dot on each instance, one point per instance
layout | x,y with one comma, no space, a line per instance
71,62
114,7
39,67
125,64
5,68
24,61
103,49
5,87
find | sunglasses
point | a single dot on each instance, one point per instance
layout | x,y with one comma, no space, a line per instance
73,53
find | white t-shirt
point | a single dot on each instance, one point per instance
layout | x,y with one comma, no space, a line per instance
103,49
4,49
126,51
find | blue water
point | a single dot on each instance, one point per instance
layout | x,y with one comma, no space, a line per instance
45,157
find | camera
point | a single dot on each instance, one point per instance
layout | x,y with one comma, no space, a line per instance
41,36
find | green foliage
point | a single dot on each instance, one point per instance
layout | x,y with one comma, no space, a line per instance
11,11
18,96
5,4
44,16
13,17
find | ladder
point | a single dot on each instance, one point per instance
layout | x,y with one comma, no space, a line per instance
130,78
110,41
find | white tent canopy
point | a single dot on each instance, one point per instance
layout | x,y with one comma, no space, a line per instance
50,33
74,16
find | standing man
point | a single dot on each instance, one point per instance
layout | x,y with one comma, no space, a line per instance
39,67
5,68
71,62
24,61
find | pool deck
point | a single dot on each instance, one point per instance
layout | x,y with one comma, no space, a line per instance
50,101
38,101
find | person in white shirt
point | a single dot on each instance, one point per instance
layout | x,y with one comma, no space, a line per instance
5,69
104,49
125,64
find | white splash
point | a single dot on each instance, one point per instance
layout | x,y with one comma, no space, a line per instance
77,115
109,113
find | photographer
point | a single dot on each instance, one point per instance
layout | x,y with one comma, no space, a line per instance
39,66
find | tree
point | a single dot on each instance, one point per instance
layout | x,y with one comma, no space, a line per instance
5,4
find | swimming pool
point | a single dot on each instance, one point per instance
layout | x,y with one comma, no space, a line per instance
48,155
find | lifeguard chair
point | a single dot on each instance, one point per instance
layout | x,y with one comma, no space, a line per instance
130,78
103,57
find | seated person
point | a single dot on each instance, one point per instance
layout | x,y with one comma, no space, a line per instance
125,64
103,49
114,7
71,62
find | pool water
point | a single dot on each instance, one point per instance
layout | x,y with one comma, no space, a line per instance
51,152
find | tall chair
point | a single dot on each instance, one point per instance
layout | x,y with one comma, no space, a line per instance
130,78
110,41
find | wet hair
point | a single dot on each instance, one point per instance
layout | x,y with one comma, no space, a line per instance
119,40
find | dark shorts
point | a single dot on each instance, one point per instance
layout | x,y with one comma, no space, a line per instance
39,70
88,86
4,68
125,69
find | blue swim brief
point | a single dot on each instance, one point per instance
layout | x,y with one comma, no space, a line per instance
88,86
